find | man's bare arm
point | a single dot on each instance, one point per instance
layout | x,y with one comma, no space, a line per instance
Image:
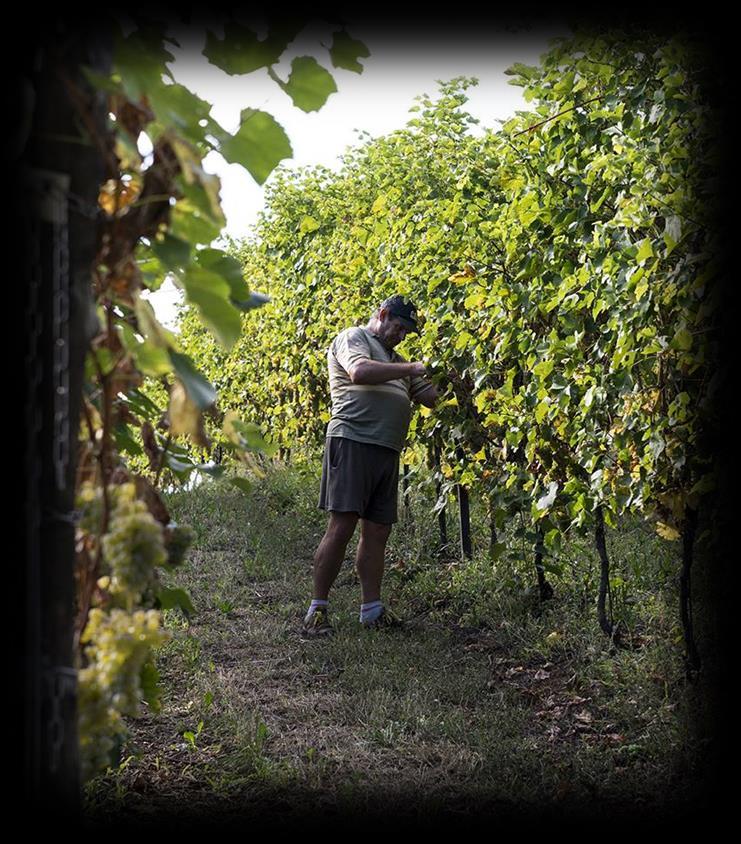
429,396
369,371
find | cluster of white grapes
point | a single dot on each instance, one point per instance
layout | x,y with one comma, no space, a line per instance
132,548
118,638
118,644
89,504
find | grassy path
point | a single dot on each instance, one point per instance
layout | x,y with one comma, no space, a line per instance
523,715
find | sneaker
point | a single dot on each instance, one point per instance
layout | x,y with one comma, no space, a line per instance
385,620
316,625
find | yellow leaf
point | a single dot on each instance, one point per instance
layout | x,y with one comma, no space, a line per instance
187,156
228,427
480,455
116,196
379,206
425,411
252,464
464,276
185,417
475,301
667,531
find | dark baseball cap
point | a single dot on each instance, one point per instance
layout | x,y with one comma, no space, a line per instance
401,307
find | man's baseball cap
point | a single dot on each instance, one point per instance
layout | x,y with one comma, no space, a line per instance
404,309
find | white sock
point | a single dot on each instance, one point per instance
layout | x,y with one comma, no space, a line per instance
370,612
316,603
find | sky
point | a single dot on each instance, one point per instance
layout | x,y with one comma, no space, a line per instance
406,60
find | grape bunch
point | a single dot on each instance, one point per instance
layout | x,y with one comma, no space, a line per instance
89,505
132,548
118,646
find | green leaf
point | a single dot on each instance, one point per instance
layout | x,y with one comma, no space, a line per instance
645,251
102,83
199,389
179,465
150,359
496,550
552,539
241,51
210,293
379,206
177,107
143,406
171,598
192,217
309,84
241,483
150,327
345,52
259,145
513,437
211,471
125,442
219,262
553,567
256,300
140,60
682,340
308,224
544,369
520,69
253,438
172,252
672,233
360,233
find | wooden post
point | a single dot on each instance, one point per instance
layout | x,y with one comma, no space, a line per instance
407,503
685,592
607,625
464,513
56,220
441,520
493,537
545,590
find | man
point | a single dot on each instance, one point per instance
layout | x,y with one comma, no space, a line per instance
371,388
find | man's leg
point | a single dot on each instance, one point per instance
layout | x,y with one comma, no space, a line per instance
331,552
370,558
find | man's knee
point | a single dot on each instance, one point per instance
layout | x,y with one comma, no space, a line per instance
375,531
342,525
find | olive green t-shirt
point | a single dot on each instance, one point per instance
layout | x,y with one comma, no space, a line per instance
369,413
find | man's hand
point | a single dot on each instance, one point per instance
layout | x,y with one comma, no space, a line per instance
368,371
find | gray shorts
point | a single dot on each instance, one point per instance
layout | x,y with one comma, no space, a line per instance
360,477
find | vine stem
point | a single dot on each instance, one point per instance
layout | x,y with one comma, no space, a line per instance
556,116
162,460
